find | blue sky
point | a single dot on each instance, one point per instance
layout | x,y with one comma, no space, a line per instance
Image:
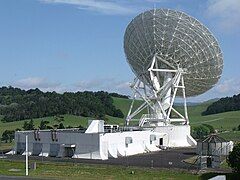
76,45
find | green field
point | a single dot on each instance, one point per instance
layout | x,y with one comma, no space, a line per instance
223,122
64,170
86,171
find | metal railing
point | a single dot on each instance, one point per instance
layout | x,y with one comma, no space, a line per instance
146,118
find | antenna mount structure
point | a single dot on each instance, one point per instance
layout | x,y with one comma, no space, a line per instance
159,100
172,55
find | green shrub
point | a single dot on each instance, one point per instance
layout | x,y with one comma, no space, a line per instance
200,132
211,128
233,159
8,135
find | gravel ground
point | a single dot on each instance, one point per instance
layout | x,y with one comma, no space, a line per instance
171,158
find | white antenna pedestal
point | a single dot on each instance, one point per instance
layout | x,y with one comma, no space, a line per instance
158,97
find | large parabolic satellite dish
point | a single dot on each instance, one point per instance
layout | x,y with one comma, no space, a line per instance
178,41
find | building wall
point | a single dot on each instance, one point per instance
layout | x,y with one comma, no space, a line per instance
179,136
130,143
89,145
218,148
47,146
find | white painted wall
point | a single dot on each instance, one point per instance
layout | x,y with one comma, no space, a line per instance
179,136
107,145
140,142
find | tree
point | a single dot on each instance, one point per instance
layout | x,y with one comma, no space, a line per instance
200,132
223,105
211,128
43,124
118,95
17,104
233,158
31,125
239,127
61,126
25,125
8,135
118,113
28,125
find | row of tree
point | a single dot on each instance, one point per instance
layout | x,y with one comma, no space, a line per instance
224,105
17,104
119,95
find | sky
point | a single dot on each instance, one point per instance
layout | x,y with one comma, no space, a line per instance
77,45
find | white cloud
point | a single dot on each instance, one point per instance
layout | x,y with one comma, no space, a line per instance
104,84
110,7
225,13
91,84
102,6
228,87
123,85
38,82
224,88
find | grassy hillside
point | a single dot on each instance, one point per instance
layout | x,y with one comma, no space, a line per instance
124,105
223,121
69,120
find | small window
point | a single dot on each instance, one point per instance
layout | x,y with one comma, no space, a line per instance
152,138
128,140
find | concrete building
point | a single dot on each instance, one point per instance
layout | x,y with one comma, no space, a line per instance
95,143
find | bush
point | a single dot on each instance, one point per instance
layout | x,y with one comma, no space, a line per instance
43,124
28,125
200,132
211,128
118,113
8,135
61,126
233,159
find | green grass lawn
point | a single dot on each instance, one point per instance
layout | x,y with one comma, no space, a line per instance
84,171
61,170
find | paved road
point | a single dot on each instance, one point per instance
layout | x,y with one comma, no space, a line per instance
172,158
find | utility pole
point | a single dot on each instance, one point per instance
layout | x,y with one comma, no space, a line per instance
26,155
